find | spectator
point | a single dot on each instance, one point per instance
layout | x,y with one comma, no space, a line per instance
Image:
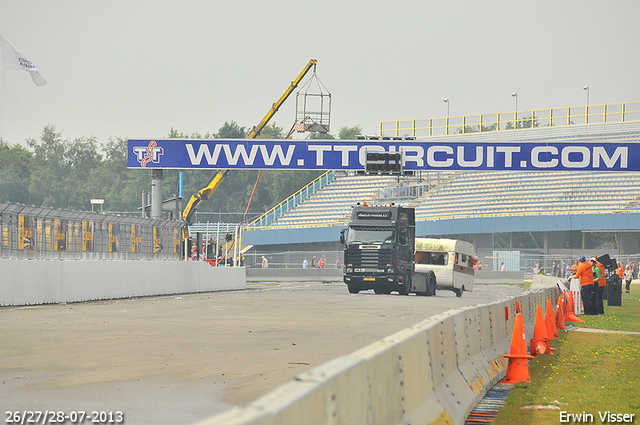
536,268
628,277
600,282
503,267
265,262
305,263
585,275
321,263
314,263
339,263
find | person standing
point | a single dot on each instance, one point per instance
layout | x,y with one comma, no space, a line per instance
314,263
628,277
321,263
305,263
585,275
265,262
600,282
503,267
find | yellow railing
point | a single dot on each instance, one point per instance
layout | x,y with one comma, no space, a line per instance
590,114
270,216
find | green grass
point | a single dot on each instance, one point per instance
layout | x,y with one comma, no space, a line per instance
589,372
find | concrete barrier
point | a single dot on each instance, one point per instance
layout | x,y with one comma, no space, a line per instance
433,372
25,282
294,275
542,282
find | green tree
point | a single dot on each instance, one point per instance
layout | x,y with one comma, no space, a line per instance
272,131
231,130
349,133
61,170
14,173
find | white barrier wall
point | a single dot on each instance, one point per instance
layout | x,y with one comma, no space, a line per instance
433,372
24,282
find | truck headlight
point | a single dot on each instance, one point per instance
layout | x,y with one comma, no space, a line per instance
349,270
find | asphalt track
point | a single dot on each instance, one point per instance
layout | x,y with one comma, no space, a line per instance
180,359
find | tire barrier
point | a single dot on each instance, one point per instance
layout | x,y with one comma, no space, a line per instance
433,372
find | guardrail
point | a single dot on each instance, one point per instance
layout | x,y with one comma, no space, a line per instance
293,200
587,114
30,232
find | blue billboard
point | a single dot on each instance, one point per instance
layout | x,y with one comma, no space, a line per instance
418,155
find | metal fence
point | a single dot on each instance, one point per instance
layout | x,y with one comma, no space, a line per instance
293,259
30,232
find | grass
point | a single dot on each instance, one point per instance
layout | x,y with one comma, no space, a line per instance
589,372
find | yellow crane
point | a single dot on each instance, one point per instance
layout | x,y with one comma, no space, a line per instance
206,192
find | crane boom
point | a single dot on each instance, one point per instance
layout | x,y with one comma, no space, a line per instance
206,192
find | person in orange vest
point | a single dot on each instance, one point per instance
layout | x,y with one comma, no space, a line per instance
585,275
599,284
620,271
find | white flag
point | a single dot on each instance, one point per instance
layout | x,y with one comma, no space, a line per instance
13,59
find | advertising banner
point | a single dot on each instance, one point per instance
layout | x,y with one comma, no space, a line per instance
60,227
418,155
136,238
27,228
113,237
87,236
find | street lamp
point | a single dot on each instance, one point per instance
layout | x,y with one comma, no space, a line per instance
587,89
586,108
514,94
446,100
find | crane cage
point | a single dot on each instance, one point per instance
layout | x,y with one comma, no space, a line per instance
30,232
313,107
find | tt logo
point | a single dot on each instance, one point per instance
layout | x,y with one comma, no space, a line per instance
149,154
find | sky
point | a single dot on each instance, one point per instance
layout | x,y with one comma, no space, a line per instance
137,68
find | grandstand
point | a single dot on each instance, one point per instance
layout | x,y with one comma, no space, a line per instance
477,204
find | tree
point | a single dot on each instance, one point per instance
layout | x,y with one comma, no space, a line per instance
61,169
272,131
349,133
14,173
231,130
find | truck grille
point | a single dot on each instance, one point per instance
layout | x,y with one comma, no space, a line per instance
377,258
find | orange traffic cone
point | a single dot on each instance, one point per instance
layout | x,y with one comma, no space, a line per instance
518,307
518,368
571,315
540,342
550,321
560,314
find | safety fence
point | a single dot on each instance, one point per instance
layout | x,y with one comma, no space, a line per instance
587,114
30,232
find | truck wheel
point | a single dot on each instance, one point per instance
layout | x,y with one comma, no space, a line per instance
353,289
431,285
459,292
406,284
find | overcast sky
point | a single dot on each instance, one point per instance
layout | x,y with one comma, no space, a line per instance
136,68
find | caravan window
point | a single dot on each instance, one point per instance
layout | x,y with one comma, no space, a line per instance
435,258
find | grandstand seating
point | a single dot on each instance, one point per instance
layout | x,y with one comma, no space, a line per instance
489,193
478,193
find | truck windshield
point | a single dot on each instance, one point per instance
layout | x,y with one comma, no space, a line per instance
378,235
